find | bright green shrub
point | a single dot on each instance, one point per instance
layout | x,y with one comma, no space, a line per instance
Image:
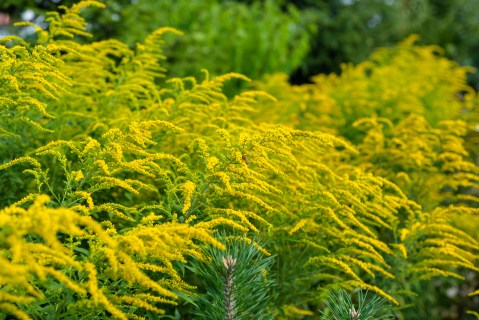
349,30
149,173
220,36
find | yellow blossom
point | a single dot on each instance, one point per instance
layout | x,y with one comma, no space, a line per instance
188,188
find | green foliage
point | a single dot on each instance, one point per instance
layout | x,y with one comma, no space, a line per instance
237,281
410,127
341,307
315,35
351,30
220,36
404,108
60,264
144,176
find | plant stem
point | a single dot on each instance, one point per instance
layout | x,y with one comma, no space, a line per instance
229,297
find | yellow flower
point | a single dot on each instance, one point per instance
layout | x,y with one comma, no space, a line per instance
79,175
212,162
188,188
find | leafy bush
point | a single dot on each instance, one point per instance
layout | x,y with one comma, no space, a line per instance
319,35
220,36
351,30
121,184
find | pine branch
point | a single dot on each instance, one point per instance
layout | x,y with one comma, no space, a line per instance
229,294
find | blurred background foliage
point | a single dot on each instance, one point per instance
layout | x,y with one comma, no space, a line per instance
298,37
220,36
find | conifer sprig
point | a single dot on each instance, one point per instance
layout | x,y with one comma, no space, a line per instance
229,294
340,306
237,280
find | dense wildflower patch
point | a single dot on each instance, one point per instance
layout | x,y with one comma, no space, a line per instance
114,179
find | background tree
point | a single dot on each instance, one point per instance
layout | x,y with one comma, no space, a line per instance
298,37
